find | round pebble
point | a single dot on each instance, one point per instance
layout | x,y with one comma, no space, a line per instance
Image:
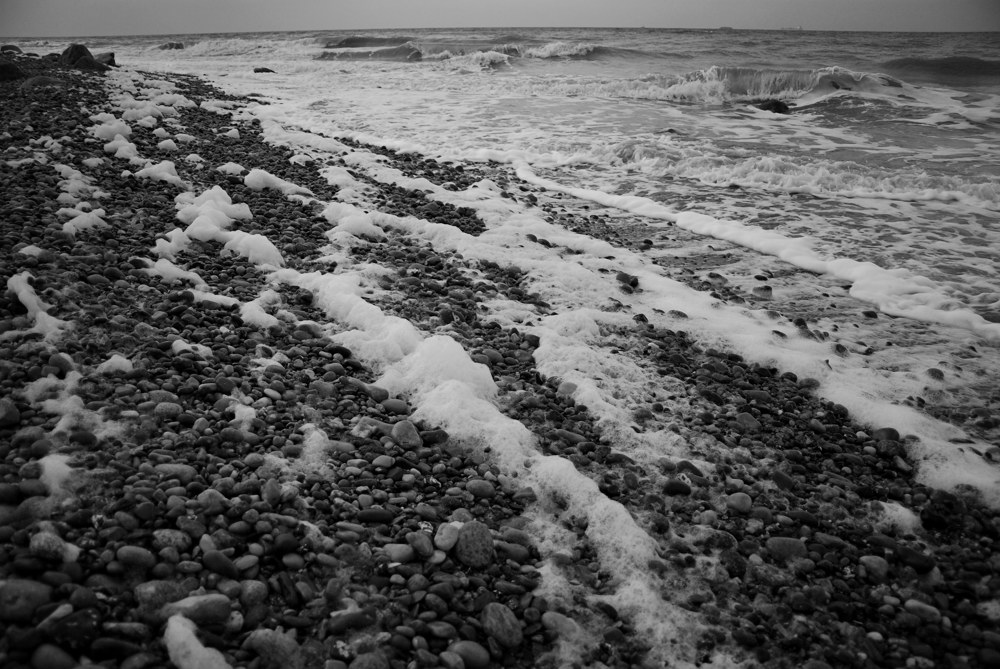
500,623
474,547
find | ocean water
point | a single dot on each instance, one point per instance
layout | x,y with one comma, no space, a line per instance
871,210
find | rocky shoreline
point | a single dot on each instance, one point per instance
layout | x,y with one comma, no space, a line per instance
235,489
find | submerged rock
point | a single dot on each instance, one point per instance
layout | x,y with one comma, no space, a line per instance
776,106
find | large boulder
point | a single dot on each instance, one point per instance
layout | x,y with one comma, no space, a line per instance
9,71
10,49
106,58
79,56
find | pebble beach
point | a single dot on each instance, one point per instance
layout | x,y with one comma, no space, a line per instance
255,413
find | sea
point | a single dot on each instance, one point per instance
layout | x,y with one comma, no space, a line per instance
852,238
871,208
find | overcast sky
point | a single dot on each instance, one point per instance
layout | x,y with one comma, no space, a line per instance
63,18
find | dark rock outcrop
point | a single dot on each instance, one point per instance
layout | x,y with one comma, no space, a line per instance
79,56
10,71
172,45
261,70
106,58
776,106
10,49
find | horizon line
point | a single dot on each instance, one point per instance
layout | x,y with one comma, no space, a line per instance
524,27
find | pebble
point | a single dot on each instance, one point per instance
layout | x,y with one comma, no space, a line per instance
9,413
19,598
481,488
153,595
421,543
783,480
170,538
474,547
405,434
50,656
376,515
784,549
136,557
209,609
182,472
270,492
168,410
446,536
921,562
395,406
399,552
500,623
220,563
877,567
676,487
384,461
50,546
747,422
563,626
740,502
472,653
275,648
925,611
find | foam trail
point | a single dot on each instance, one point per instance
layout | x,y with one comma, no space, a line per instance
897,292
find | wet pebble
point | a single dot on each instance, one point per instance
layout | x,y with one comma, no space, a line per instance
784,549
50,656
212,609
481,488
474,547
740,502
472,653
500,623
10,416
19,598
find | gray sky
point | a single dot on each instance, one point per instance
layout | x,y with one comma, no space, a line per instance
64,18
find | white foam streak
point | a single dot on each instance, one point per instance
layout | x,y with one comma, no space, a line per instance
897,292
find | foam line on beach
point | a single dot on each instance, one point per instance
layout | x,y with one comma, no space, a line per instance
578,281
897,292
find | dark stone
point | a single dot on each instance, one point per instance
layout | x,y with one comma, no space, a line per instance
79,56
106,58
9,71
920,562
475,545
676,487
776,106
944,512
77,630
172,45
376,515
20,597
262,70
